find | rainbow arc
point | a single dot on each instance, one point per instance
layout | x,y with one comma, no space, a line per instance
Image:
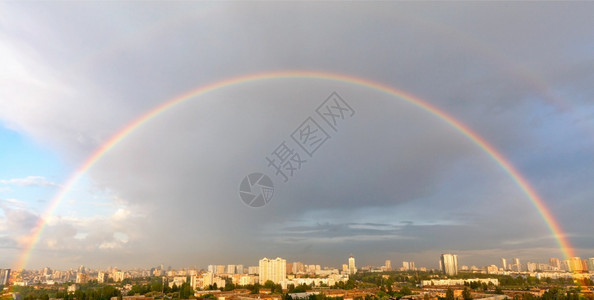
497,157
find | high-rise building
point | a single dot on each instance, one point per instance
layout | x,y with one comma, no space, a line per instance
82,278
298,267
531,267
345,268
591,263
575,264
504,263
555,263
101,277
273,269
352,267
565,265
4,276
230,269
239,269
449,264
220,269
517,264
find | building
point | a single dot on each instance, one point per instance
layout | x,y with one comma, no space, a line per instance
230,269
388,265
531,267
575,264
220,269
566,265
298,267
555,263
273,270
517,265
82,278
504,263
352,267
101,277
591,263
118,276
449,264
409,266
492,269
458,282
4,276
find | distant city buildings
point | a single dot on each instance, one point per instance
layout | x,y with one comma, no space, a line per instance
590,264
296,273
82,278
449,264
555,263
253,270
492,269
517,265
459,282
408,266
576,265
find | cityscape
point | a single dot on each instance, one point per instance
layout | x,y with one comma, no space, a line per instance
296,150
277,279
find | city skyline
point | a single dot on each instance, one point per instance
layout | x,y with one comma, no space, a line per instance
278,272
446,259
199,132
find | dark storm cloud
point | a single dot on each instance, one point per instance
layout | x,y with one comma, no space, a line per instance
517,74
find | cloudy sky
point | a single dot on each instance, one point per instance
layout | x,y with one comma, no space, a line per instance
390,181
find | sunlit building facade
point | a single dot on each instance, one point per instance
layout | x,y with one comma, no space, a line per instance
449,264
273,270
352,267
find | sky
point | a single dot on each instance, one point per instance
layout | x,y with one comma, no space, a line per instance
389,180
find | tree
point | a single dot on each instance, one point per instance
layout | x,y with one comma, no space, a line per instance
405,291
498,290
269,284
185,291
449,294
466,295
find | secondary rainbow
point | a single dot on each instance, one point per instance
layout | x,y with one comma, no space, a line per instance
565,247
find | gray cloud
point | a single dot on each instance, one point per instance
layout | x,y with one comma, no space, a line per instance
516,74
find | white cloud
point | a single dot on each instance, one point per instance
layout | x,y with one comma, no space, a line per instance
120,215
28,181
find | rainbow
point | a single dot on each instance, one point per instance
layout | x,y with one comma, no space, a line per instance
30,242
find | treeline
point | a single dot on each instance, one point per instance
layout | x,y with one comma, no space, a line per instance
555,294
102,293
